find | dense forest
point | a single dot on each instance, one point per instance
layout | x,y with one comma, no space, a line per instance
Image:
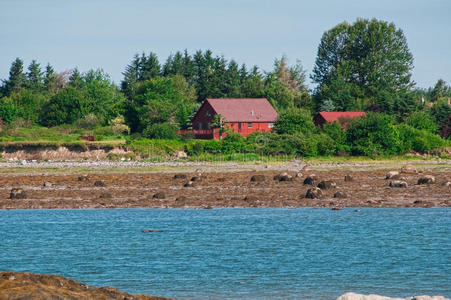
364,66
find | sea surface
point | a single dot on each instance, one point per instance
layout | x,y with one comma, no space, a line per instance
252,253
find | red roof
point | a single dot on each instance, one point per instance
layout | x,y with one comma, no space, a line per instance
331,116
244,109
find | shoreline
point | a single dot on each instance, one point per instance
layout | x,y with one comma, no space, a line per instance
204,186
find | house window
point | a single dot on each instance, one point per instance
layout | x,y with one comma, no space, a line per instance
207,125
239,125
199,125
270,125
249,125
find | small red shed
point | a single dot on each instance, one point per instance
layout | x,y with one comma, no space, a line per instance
330,116
242,115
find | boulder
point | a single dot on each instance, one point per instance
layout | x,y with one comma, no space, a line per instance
336,208
298,174
189,184
196,178
448,183
349,178
314,193
311,179
47,184
353,296
99,183
398,184
258,178
426,179
340,195
17,193
283,177
159,195
327,184
409,169
105,196
181,199
179,176
392,175
83,178
180,154
250,198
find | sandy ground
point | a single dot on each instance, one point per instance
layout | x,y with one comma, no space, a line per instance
223,186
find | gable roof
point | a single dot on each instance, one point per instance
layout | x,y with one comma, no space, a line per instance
331,116
244,109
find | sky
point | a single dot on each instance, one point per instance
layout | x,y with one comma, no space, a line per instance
106,34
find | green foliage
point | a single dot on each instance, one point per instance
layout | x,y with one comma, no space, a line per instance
422,120
233,137
66,107
373,135
8,110
356,62
294,121
160,131
419,140
440,112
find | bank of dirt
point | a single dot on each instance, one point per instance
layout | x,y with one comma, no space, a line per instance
369,188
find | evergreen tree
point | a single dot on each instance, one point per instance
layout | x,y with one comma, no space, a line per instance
149,67
35,79
16,79
75,79
50,79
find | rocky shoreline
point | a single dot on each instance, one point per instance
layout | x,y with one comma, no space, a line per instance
284,185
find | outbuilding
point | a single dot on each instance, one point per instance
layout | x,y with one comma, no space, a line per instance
341,117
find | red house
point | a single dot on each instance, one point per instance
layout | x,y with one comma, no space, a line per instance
242,115
330,116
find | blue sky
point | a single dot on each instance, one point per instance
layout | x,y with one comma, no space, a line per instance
106,33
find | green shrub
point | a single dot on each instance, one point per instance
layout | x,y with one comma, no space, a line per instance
422,120
233,137
294,121
418,140
326,145
160,131
373,135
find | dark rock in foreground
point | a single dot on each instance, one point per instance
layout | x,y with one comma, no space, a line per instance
17,193
314,193
258,178
31,286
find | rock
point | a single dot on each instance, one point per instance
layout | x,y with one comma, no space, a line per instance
83,178
314,193
105,196
348,178
298,174
159,195
17,193
327,184
448,183
43,286
340,195
181,199
427,179
189,184
311,179
353,296
47,184
392,175
336,208
179,176
283,177
250,198
196,178
357,210
398,184
258,178
99,183
150,230
409,169
180,154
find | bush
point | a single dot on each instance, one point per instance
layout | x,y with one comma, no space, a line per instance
326,145
373,135
160,131
422,120
233,137
295,121
418,140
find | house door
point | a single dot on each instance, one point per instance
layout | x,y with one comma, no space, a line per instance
239,126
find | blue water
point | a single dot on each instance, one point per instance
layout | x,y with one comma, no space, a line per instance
237,253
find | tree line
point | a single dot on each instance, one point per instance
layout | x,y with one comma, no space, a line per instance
366,65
